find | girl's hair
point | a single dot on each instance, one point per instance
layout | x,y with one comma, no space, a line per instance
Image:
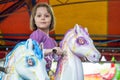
49,9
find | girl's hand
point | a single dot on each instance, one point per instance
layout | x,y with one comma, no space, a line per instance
57,50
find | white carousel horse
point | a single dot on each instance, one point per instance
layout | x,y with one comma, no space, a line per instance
76,43
105,70
25,62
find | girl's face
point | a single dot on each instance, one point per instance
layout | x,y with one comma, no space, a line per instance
42,18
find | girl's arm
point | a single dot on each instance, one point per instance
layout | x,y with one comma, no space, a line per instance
47,51
59,51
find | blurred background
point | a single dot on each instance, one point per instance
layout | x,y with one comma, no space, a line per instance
101,17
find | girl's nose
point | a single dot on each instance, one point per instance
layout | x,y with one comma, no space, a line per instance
42,17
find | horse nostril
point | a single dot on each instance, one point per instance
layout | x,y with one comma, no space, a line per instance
94,56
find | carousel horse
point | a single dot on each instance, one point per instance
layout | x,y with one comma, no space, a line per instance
25,62
105,70
111,70
76,43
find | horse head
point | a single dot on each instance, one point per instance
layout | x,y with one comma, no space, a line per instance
80,43
26,62
76,43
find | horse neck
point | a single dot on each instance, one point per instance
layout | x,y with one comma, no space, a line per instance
65,43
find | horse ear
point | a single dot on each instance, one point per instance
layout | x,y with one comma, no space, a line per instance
77,29
80,30
86,29
103,58
29,44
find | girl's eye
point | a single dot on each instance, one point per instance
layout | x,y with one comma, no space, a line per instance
81,41
47,15
43,15
38,15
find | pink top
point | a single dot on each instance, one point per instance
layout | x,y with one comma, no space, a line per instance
48,43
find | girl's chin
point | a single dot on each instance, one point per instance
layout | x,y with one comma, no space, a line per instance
43,26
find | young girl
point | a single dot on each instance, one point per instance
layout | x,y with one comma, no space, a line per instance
41,22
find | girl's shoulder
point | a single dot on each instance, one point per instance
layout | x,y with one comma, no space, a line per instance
38,35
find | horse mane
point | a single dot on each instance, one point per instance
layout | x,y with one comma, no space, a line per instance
65,37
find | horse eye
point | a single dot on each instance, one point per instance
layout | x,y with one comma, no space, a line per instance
81,41
30,61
